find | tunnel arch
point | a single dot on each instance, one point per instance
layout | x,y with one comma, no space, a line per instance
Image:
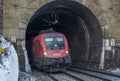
77,22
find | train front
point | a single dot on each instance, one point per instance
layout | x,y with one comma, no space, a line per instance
56,51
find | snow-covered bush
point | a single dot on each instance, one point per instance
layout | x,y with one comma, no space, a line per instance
9,69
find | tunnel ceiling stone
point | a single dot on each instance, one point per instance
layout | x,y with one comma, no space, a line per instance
107,12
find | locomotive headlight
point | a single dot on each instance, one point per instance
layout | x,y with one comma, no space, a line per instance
67,52
45,54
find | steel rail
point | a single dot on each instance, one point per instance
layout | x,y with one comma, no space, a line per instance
75,77
98,71
53,78
92,75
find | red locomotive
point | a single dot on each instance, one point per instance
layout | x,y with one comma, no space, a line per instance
50,50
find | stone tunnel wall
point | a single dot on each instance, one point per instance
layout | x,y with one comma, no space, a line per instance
1,17
17,13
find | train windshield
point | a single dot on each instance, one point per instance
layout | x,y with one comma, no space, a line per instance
53,43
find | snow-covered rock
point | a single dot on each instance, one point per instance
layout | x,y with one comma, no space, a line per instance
9,68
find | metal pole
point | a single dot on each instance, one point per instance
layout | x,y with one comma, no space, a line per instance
103,51
102,56
27,65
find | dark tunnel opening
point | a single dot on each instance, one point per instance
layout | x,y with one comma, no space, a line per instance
77,23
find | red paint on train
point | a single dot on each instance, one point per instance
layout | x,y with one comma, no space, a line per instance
50,49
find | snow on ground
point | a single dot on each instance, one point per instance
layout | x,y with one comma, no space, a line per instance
8,62
116,71
4,70
28,77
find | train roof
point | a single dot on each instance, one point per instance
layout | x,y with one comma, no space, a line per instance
51,34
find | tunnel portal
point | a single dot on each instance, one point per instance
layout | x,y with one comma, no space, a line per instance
77,23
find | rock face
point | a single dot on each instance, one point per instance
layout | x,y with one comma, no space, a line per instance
1,18
17,13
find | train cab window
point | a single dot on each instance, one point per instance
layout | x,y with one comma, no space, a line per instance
49,42
38,44
60,42
53,43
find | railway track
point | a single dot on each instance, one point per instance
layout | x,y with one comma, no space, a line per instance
78,74
56,76
78,78
52,77
64,76
99,71
104,76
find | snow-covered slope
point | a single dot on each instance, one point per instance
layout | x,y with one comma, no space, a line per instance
9,68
